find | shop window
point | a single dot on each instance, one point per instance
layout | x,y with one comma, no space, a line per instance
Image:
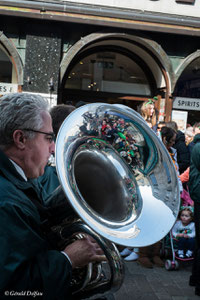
109,72
188,84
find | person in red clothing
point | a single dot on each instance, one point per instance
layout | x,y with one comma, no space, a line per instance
184,177
103,127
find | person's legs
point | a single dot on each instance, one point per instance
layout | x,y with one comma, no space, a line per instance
195,276
181,245
190,244
189,247
156,255
144,257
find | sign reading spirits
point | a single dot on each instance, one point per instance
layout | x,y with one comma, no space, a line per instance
186,103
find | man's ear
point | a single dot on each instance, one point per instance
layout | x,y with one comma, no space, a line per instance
19,139
164,141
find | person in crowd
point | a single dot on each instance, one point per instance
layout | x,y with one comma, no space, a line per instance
196,128
80,103
184,177
194,182
189,135
49,180
150,255
58,114
173,125
183,154
168,138
196,132
159,127
149,124
147,256
184,232
186,200
148,112
129,254
29,260
104,127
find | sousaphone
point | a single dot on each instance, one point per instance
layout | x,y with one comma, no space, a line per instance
118,177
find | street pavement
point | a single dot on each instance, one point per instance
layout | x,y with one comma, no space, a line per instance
155,284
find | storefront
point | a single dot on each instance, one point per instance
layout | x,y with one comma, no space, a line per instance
92,52
186,96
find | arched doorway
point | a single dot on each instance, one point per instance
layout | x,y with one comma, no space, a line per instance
107,73
187,88
114,68
11,67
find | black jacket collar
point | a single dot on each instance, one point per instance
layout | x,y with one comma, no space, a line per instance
8,170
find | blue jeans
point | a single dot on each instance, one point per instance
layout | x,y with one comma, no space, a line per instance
186,244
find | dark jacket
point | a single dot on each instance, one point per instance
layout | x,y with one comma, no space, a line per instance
183,154
49,180
194,175
27,260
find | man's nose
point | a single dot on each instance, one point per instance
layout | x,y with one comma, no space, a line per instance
52,147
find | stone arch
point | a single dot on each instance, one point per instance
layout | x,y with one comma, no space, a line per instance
14,56
151,47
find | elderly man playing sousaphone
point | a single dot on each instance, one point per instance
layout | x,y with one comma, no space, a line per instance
30,264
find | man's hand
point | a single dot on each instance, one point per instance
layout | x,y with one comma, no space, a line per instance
83,251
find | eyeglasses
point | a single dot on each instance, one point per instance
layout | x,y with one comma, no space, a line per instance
51,134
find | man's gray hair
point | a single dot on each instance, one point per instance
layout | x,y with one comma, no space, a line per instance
20,111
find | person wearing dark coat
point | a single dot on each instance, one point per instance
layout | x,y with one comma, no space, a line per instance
31,264
49,180
183,154
196,131
194,189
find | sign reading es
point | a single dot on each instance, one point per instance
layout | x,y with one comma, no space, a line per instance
6,88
